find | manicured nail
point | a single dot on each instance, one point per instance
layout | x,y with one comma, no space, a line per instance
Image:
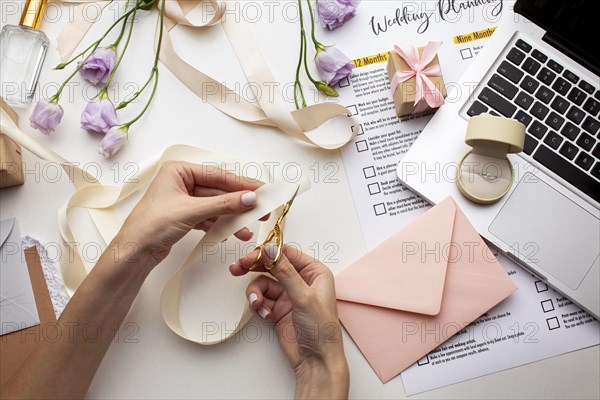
249,199
263,312
271,250
252,298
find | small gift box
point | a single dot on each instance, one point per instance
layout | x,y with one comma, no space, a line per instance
11,171
416,78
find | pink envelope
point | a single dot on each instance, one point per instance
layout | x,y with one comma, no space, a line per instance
419,288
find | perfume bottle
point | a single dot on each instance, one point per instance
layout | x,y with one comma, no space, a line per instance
22,52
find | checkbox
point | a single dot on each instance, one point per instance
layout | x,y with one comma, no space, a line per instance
541,286
353,110
547,305
345,82
466,53
361,146
423,361
374,188
360,130
553,323
379,209
369,172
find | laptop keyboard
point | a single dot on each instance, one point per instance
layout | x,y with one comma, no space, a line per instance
558,109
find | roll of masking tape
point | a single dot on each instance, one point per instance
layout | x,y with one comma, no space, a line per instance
485,173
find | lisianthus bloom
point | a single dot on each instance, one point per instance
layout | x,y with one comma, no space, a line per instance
113,141
98,67
332,64
99,116
335,13
46,116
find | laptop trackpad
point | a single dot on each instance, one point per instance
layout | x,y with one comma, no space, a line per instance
549,230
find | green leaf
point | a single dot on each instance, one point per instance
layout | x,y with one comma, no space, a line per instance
147,4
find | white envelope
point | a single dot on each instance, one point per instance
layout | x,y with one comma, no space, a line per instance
17,304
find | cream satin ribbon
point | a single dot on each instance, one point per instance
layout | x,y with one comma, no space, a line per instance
100,201
272,112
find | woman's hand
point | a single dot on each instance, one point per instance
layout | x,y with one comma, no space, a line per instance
302,305
183,197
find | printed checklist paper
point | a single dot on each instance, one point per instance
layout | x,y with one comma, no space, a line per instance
532,324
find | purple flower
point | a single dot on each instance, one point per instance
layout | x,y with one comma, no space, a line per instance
46,116
335,13
333,65
97,68
113,141
99,116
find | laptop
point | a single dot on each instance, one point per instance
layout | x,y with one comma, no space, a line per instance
536,68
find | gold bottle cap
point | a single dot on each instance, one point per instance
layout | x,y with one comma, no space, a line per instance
33,13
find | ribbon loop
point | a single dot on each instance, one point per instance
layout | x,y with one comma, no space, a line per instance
427,94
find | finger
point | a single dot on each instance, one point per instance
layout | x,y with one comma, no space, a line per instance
212,176
243,265
203,191
266,217
244,234
204,225
230,203
262,294
286,274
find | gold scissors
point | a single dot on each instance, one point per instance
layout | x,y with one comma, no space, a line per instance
275,236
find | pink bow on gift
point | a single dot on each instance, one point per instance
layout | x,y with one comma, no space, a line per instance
426,89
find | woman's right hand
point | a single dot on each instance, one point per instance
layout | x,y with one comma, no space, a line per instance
301,304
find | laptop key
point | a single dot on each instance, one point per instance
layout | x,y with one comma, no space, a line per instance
538,55
530,144
597,95
576,96
555,121
584,161
530,84
531,66
539,110
503,86
510,71
523,45
476,109
497,102
570,131
592,106
586,86
544,94
575,114
560,104
596,152
524,100
554,66
537,129
567,171
523,117
596,170
591,125
516,56
586,141
561,86
569,150
553,140
571,76
546,76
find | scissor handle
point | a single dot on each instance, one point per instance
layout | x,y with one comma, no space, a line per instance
276,237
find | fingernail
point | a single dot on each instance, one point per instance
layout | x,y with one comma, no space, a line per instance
249,199
271,250
263,312
252,298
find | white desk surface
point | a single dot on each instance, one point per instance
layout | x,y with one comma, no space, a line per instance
158,364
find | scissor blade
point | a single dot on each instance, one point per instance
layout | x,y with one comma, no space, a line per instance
289,203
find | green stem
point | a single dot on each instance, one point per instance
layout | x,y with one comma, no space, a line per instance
125,103
297,84
303,33
128,124
97,42
318,45
132,23
116,42
154,68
